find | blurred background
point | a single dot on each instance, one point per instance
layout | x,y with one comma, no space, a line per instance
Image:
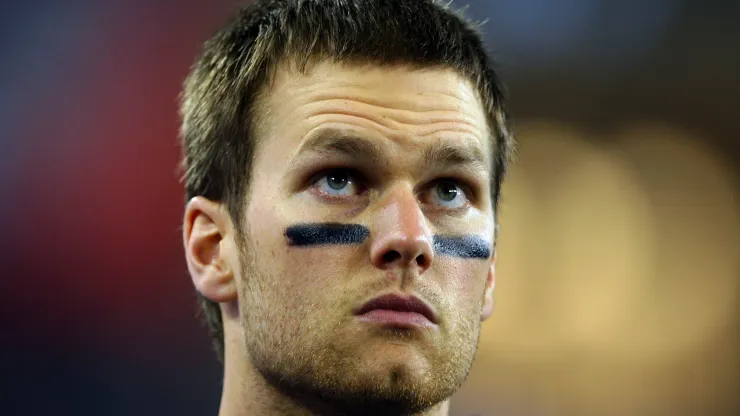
618,288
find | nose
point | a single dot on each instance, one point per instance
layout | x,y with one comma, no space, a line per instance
401,237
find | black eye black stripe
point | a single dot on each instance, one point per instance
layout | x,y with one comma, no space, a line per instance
466,246
302,235
327,233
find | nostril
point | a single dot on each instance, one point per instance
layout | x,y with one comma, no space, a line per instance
391,256
421,260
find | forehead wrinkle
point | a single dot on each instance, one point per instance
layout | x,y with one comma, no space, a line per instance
391,122
424,102
382,125
405,113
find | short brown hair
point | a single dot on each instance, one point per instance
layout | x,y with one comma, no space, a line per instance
238,63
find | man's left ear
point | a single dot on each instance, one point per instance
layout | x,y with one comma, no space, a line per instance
487,309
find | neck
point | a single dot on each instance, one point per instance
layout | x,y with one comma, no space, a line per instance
247,393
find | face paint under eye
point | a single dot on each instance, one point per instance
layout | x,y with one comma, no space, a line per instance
326,234
467,246
302,235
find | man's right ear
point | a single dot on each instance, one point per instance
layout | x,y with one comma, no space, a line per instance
207,239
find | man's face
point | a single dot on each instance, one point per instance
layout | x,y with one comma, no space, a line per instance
405,154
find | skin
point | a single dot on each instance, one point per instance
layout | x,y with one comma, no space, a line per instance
292,342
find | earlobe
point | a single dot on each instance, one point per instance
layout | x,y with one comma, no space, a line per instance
207,241
487,309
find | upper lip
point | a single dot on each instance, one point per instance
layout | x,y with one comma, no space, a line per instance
399,303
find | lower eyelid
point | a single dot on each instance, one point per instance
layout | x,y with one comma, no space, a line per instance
317,189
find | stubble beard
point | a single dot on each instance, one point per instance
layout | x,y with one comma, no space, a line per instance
304,361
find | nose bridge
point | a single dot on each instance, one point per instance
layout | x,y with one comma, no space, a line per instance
401,213
400,232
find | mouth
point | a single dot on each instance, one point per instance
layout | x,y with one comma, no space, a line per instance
398,311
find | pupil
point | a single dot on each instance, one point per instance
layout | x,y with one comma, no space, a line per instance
447,191
337,180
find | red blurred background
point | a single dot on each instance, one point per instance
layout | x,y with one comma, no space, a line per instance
619,274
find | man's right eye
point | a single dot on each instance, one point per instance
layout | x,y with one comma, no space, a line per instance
338,182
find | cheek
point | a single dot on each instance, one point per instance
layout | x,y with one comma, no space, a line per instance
314,269
463,282
298,278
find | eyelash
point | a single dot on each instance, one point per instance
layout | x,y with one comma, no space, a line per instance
361,181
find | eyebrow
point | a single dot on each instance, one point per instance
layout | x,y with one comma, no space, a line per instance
333,141
443,155
439,155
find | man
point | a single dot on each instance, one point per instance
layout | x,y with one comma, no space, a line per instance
343,161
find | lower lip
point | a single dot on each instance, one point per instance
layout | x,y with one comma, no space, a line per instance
396,318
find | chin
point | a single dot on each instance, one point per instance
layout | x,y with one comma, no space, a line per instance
389,388
406,359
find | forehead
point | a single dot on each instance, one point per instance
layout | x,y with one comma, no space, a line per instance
406,107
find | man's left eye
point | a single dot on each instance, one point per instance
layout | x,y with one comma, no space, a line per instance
448,194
